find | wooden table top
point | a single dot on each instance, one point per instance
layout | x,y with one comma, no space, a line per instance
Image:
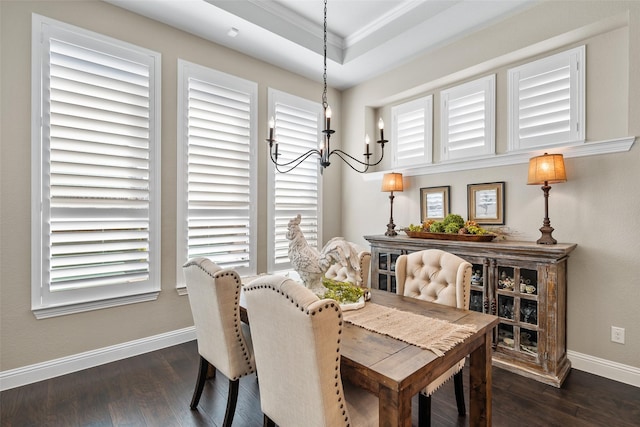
380,359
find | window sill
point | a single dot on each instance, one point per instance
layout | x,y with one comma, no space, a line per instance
47,312
513,158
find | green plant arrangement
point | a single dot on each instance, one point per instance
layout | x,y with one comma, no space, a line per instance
343,292
451,224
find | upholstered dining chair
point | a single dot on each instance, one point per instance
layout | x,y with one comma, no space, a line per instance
296,339
224,342
343,272
443,278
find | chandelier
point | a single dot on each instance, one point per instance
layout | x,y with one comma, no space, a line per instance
326,152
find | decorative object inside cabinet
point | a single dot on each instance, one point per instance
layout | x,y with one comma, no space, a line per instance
477,296
505,335
528,281
505,307
529,311
505,280
475,302
529,341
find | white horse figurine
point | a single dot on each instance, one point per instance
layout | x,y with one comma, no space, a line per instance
310,263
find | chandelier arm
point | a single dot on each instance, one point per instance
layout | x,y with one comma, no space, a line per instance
346,161
297,161
338,152
379,160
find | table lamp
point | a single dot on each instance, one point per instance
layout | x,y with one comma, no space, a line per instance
391,182
546,169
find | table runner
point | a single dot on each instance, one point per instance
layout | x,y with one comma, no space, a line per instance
422,331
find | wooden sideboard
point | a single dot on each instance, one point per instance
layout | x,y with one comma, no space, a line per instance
523,283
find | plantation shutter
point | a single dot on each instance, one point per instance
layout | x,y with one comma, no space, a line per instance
412,130
98,186
468,119
547,101
296,192
219,131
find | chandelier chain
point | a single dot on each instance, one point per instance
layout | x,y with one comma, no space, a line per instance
325,104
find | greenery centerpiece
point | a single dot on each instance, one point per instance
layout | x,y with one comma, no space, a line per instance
452,225
343,292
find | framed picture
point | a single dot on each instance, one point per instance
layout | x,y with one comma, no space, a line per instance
485,203
434,203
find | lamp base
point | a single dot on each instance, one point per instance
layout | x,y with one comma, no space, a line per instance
390,230
546,238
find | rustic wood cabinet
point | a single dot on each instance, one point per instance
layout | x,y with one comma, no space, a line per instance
523,283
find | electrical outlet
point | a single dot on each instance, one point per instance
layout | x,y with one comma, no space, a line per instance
617,334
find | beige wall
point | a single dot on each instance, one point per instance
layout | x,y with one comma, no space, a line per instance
598,208
25,340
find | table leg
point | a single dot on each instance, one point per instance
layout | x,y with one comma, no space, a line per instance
394,408
480,384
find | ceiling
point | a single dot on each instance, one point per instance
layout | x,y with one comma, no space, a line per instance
365,37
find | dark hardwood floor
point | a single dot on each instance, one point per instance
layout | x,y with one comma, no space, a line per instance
155,389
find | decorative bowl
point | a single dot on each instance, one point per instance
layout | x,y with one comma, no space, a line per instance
451,236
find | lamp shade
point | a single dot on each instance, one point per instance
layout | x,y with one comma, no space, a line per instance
548,168
392,182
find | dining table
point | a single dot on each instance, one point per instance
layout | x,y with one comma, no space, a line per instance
395,370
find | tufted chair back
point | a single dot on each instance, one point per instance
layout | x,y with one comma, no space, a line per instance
342,271
436,276
296,338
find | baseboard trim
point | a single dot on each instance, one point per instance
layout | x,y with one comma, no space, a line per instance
41,371
77,362
605,368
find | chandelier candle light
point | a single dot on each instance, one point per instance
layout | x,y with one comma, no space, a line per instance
391,182
546,169
325,152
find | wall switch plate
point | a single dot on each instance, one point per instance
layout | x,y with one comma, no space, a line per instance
617,334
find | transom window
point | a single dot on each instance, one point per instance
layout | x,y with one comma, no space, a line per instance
546,101
412,130
467,126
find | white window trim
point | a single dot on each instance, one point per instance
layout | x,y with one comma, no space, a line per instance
424,104
186,70
93,299
576,59
487,85
277,96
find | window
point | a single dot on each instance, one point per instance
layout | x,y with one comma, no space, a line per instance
217,170
468,119
546,101
412,129
297,130
95,165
